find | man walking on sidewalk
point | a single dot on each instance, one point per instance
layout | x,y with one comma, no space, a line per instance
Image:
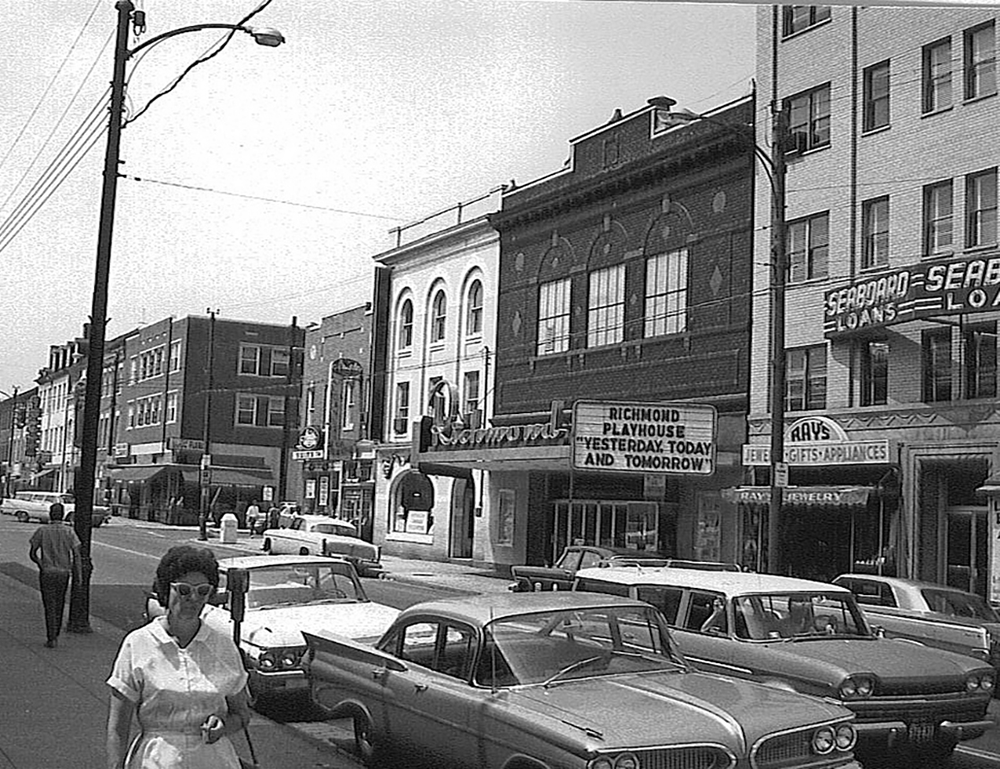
56,549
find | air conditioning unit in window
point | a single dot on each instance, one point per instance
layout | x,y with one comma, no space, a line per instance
399,425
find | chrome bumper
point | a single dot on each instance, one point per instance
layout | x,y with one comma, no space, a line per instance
898,732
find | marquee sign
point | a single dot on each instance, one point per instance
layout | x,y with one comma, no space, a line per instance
817,442
614,436
959,286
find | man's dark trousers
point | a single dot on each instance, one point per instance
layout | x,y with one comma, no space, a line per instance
53,585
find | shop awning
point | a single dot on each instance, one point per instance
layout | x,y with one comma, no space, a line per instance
802,496
135,472
243,476
42,473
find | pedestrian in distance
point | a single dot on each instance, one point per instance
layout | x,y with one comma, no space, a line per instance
181,678
253,514
55,548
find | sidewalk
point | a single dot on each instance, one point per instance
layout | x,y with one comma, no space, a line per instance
53,702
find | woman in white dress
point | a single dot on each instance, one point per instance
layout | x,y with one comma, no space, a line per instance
183,680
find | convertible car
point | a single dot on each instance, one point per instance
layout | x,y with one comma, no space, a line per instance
556,680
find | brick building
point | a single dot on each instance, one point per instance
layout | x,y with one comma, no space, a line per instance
622,279
891,425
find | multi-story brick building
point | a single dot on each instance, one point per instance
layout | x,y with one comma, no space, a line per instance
622,280
205,409
60,398
892,427
17,413
334,450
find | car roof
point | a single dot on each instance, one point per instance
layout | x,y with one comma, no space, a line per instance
484,608
904,583
728,582
259,561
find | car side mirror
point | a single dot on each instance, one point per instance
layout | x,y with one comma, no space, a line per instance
879,631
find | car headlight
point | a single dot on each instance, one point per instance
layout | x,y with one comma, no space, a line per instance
846,737
979,682
601,762
856,688
986,683
823,740
626,761
280,659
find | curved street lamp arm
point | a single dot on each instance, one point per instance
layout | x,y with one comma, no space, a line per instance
192,28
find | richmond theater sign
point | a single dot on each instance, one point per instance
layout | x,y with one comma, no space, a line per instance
919,291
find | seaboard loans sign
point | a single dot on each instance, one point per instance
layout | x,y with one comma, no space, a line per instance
623,437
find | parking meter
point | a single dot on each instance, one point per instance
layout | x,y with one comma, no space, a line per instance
237,583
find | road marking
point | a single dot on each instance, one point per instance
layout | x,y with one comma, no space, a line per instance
126,550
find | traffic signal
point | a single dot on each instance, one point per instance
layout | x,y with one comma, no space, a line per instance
33,432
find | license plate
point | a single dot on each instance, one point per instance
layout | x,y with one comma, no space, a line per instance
921,732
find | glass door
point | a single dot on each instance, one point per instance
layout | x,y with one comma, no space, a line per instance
966,548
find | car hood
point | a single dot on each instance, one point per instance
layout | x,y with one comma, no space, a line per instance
657,708
283,626
889,659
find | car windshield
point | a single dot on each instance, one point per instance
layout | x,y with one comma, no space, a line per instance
291,584
797,616
957,604
333,528
575,643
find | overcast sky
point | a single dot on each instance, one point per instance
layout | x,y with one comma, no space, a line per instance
375,113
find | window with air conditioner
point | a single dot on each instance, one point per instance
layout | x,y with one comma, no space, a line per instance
809,119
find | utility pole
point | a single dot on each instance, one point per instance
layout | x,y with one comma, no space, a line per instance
206,435
10,446
779,265
290,379
79,601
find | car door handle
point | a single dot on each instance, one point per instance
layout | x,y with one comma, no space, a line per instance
378,673
419,687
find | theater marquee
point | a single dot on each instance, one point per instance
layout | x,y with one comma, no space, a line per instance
955,287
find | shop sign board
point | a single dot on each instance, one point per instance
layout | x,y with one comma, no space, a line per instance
175,443
819,441
310,445
626,437
957,286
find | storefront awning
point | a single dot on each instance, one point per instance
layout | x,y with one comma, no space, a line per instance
135,472
243,476
802,496
42,473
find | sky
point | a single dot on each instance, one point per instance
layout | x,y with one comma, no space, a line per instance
264,183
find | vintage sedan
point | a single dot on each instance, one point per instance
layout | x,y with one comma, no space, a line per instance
32,505
287,595
937,615
812,637
324,535
559,679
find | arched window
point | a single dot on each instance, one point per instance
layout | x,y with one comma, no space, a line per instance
406,325
439,316
474,316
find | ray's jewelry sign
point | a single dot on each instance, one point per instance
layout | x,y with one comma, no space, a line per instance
676,438
920,291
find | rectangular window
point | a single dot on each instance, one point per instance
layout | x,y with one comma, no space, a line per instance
808,245
809,119
175,356
980,61
401,418
158,361
937,365
131,415
348,404
874,373
937,76
553,317
805,386
279,361
875,232
275,412
133,371
171,407
795,18
246,410
981,360
470,393
876,96
249,359
937,218
981,209
606,314
666,293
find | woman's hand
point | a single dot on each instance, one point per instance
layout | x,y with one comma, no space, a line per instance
213,728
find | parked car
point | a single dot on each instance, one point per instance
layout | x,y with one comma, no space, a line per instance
937,615
325,535
574,557
813,637
563,680
289,594
28,505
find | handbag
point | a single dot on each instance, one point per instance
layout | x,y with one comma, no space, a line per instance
252,763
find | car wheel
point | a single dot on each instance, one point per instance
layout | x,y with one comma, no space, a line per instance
22,516
364,739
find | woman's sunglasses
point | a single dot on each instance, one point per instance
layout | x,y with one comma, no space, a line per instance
184,589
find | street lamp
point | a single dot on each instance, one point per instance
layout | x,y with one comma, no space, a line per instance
774,166
79,607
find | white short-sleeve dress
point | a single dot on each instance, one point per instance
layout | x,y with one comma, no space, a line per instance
174,690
